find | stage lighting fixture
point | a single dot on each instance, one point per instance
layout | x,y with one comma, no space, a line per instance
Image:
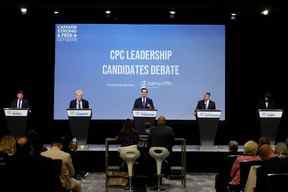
108,12
56,12
265,12
172,12
23,10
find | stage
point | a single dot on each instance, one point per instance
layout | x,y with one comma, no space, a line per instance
198,158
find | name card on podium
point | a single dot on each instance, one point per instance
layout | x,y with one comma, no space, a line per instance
79,112
264,113
144,113
208,114
9,112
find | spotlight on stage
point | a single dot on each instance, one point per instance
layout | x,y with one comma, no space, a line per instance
23,10
265,12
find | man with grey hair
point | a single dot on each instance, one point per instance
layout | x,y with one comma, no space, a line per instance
79,102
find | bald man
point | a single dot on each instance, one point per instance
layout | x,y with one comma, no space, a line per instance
79,102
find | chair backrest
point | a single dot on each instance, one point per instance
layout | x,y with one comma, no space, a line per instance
244,170
272,166
276,181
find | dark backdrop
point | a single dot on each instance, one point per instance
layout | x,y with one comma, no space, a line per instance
255,63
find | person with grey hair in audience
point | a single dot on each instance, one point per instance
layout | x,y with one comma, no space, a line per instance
281,150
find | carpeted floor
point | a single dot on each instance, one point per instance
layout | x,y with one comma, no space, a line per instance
95,182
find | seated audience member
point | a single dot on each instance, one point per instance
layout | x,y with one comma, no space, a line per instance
128,135
23,149
250,151
7,144
263,141
161,135
223,177
67,171
233,148
281,150
266,152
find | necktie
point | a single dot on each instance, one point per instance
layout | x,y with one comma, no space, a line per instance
78,105
19,104
144,102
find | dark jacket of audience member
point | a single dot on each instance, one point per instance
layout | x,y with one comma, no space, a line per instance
161,135
128,135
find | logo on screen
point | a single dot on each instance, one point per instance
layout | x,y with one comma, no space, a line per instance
66,33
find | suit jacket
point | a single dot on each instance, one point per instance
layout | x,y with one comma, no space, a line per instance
138,104
262,104
161,136
73,103
67,170
25,103
201,105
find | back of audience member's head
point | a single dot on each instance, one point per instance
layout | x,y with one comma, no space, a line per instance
281,149
128,127
233,146
161,121
263,141
57,142
265,152
250,148
23,147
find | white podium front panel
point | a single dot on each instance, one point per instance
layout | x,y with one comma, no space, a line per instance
16,112
79,113
270,114
143,113
208,114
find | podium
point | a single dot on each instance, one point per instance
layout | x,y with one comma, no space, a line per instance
207,123
269,122
142,117
16,120
79,122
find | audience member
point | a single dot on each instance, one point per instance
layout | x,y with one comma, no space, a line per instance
281,150
128,135
250,151
67,171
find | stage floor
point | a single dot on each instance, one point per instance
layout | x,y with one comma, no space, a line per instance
176,148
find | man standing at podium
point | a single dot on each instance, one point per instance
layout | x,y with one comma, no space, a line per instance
79,102
266,102
206,103
20,102
143,102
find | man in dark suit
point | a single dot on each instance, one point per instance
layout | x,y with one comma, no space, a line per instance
206,103
143,102
79,102
20,102
161,135
266,102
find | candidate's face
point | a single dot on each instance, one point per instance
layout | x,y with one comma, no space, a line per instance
206,97
144,93
20,96
78,96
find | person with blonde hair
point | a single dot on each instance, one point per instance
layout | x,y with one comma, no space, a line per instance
250,154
